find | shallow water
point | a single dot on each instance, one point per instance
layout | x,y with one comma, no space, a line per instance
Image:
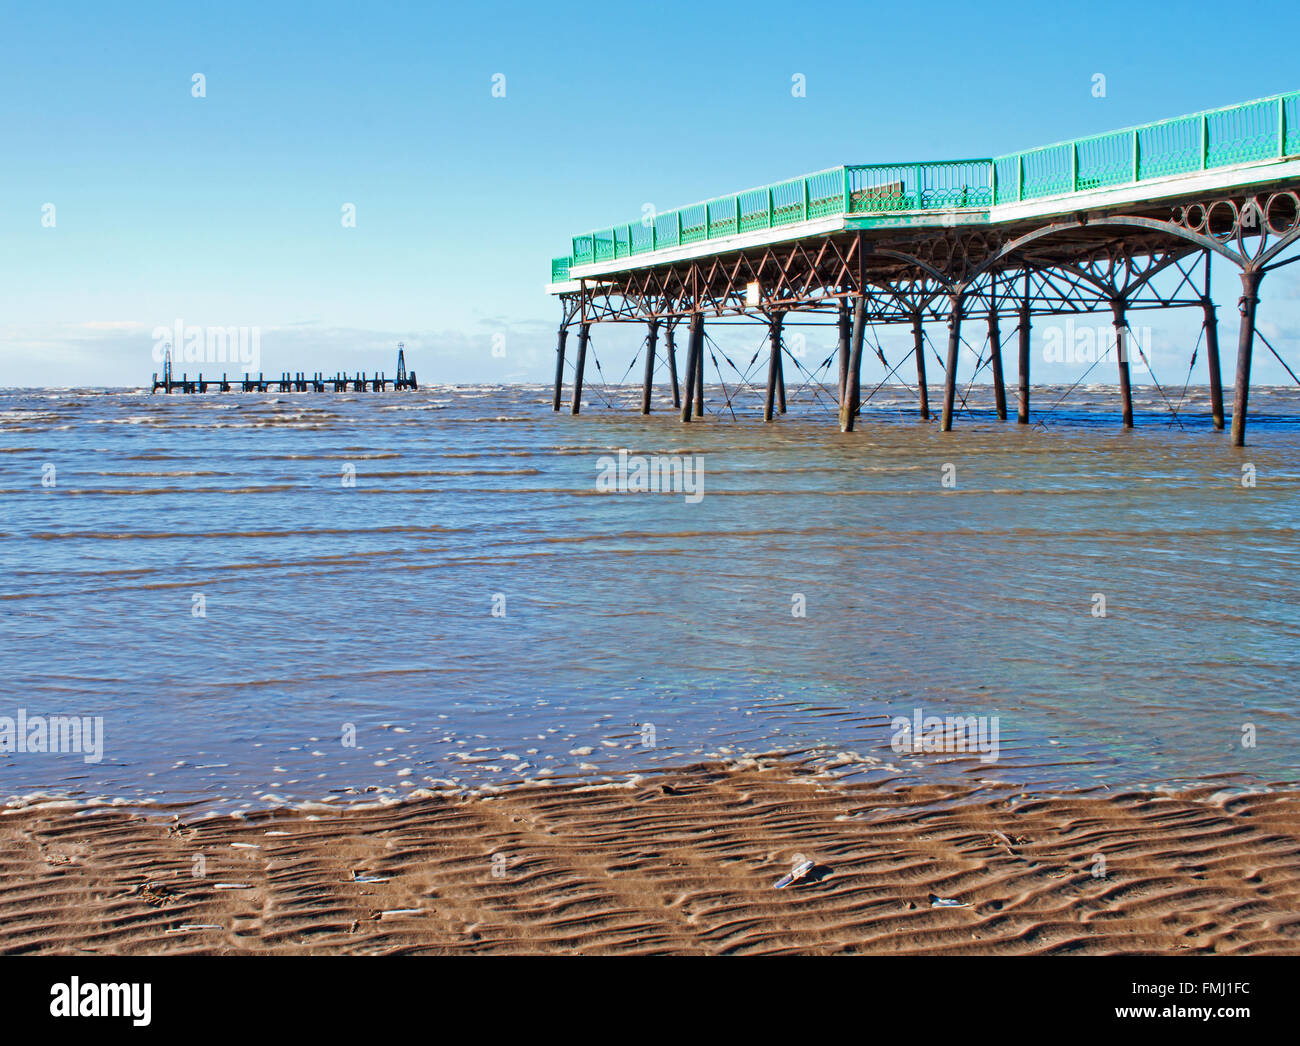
636,618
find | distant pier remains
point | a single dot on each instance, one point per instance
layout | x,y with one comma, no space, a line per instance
286,382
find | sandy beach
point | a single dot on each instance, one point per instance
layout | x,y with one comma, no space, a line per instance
683,862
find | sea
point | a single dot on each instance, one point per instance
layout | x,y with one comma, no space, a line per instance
257,600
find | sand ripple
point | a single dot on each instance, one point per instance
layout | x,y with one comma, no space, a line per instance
678,863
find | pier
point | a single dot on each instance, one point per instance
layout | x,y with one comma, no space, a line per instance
297,382
1114,223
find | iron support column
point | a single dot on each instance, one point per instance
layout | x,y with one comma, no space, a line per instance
1121,348
648,385
1245,343
693,341
918,346
1212,361
950,373
671,348
773,363
698,382
584,332
853,379
845,333
995,348
559,366
1022,403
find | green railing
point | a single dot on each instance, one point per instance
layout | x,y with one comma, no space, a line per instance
839,190
886,188
1265,129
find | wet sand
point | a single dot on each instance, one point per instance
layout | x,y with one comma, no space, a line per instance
679,863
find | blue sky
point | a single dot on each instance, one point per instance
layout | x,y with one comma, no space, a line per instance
225,210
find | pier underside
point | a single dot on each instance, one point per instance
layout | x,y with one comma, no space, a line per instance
999,276
1116,223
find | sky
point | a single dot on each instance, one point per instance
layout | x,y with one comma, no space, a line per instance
227,208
